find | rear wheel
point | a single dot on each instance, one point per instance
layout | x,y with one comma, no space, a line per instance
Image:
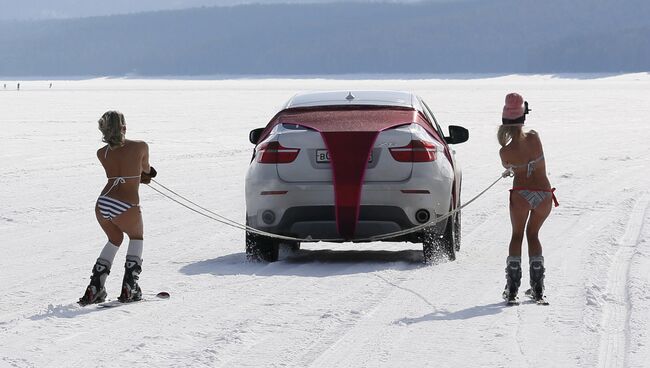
457,231
261,248
294,246
429,246
436,246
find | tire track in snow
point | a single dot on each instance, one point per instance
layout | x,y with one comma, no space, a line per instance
372,326
615,333
329,327
333,342
579,218
314,346
578,221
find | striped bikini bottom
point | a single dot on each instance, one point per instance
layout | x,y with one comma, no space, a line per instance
110,208
535,196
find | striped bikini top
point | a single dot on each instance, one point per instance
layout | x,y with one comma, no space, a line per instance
530,166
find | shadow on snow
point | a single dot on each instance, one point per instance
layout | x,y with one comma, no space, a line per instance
310,263
64,311
473,312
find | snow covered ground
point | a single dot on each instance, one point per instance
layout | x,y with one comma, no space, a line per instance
328,305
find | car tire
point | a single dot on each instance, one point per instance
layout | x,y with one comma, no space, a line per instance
430,249
260,248
294,246
448,239
434,246
457,231
289,246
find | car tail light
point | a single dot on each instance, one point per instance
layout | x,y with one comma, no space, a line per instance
274,153
416,151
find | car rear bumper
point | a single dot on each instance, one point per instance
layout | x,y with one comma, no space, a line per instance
319,222
307,209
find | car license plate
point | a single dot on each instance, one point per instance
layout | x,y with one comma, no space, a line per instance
323,156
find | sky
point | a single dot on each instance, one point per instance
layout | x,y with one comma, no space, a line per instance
582,36
45,9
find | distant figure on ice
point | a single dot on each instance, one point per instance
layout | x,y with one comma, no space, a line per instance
531,196
126,164
18,87
50,85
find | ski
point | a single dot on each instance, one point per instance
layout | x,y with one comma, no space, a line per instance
539,301
514,300
163,295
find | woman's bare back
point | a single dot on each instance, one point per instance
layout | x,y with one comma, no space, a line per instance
128,160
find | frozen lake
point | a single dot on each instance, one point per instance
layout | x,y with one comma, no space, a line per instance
328,305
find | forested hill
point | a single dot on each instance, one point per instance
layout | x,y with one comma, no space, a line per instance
496,36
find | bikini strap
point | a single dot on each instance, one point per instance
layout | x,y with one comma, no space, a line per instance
524,165
554,198
531,165
124,177
118,180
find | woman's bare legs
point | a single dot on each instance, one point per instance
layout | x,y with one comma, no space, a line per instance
519,210
520,213
129,222
537,218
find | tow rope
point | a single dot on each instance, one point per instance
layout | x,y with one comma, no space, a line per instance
192,206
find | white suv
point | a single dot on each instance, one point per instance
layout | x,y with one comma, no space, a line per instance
344,166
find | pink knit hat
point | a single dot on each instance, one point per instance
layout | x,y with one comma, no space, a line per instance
513,110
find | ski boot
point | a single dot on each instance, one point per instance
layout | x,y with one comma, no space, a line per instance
537,279
513,279
95,292
131,291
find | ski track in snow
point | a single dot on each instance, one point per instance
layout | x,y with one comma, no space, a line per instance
326,305
638,285
614,344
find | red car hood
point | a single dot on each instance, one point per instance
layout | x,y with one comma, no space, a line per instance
349,136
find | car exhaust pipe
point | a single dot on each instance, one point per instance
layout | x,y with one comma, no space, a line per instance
422,216
268,217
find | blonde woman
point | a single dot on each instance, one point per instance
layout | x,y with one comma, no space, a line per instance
530,198
126,164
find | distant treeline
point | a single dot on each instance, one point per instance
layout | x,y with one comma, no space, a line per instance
498,36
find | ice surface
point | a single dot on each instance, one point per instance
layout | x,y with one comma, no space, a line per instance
328,305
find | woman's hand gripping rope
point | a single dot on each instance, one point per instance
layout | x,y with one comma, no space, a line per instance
145,178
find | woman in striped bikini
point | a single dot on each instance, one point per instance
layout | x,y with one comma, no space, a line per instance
530,198
126,164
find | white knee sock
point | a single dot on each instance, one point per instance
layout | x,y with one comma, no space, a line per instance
108,253
135,251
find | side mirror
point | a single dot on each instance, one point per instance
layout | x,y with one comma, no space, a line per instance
457,134
254,135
